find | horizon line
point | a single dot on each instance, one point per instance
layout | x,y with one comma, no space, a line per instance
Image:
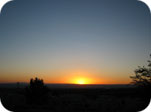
67,83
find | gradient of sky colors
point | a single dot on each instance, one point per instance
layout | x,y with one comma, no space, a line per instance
101,41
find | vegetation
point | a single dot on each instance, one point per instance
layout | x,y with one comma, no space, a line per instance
36,92
142,76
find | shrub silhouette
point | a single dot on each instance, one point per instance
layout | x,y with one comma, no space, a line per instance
36,92
142,76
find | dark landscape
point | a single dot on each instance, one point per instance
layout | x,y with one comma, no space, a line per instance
76,98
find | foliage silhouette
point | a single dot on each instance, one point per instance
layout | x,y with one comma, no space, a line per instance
142,77
36,92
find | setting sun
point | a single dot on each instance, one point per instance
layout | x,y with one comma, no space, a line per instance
82,77
81,81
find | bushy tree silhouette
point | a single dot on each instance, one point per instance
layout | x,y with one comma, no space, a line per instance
36,92
142,76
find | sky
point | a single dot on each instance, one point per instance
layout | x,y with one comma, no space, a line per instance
63,41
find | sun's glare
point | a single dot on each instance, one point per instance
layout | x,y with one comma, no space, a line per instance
81,81
82,77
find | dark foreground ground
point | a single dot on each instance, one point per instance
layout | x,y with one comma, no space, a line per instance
79,100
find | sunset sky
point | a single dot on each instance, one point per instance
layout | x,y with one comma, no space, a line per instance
71,41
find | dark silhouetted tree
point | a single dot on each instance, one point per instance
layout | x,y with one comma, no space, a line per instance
142,76
36,92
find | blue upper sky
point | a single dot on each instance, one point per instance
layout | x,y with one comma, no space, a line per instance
109,37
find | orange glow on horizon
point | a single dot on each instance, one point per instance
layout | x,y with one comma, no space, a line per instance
68,81
66,77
